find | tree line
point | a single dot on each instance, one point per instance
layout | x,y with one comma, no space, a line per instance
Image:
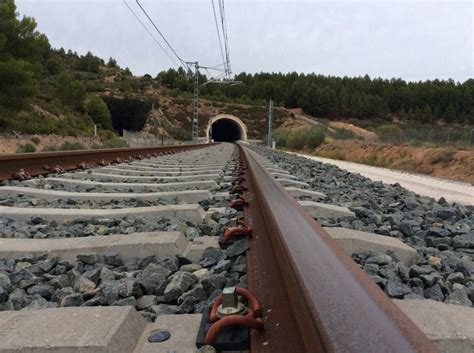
343,97
30,70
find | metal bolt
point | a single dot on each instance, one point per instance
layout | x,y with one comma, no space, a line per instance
229,298
230,303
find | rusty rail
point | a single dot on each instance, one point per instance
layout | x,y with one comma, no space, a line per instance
34,163
315,298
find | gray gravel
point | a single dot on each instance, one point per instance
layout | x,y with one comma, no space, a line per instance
152,286
69,203
39,228
441,232
31,201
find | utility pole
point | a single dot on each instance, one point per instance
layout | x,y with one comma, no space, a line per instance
269,138
196,103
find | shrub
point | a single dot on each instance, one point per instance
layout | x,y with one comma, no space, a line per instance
303,137
180,134
107,135
26,148
70,146
114,143
95,87
343,134
370,160
334,154
313,137
99,112
281,138
389,133
296,140
50,148
441,156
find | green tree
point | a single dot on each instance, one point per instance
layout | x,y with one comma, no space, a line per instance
451,113
426,114
17,84
89,63
54,66
112,63
22,52
183,84
19,38
99,112
69,91
167,78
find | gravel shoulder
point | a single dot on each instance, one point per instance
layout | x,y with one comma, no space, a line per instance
452,191
441,232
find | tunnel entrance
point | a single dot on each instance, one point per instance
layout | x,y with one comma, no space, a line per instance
226,130
226,127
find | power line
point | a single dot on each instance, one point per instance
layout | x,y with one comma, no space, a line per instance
224,30
151,35
218,31
162,36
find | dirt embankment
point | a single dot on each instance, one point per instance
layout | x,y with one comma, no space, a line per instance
442,162
10,144
358,131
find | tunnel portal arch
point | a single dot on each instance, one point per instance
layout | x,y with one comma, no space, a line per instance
226,127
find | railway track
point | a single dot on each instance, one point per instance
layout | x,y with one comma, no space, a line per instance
172,232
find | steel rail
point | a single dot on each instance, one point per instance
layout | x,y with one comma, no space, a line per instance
315,297
34,163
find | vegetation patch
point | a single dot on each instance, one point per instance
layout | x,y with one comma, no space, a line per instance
299,138
445,162
441,156
26,148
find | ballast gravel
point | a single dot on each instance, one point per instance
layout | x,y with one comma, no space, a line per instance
40,228
441,232
154,287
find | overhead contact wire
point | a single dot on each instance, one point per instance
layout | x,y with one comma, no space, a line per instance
151,34
161,34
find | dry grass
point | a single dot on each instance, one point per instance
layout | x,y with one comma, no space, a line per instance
335,154
443,162
441,155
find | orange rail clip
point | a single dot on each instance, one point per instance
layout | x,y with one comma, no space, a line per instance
251,318
235,231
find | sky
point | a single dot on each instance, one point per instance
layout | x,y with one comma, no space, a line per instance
414,40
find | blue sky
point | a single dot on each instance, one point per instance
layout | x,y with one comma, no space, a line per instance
415,40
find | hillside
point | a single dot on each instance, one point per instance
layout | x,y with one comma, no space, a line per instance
47,91
177,112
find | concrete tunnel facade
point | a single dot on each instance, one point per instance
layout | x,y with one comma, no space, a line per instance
226,127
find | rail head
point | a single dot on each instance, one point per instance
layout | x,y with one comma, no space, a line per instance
336,306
